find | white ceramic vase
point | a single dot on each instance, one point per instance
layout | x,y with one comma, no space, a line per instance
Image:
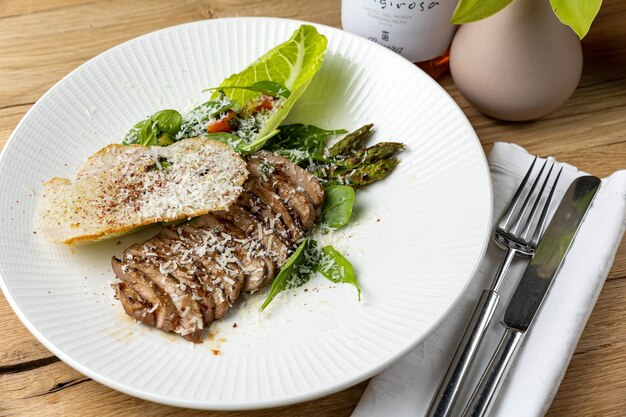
518,64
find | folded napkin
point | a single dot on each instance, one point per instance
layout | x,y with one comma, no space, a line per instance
406,388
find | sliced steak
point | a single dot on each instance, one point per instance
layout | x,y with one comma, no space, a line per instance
296,175
269,237
271,199
264,215
142,300
190,320
245,252
294,197
189,275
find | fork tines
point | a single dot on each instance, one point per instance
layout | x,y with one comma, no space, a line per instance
517,221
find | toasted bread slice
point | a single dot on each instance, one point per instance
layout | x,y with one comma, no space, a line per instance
121,188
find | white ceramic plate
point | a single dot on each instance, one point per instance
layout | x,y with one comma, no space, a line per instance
416,241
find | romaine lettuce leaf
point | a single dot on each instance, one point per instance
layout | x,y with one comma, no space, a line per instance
291,64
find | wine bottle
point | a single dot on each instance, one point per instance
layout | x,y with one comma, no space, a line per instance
420,31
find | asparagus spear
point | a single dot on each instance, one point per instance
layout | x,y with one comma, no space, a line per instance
378,152
352,141
362,175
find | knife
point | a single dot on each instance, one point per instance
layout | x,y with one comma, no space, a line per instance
532,289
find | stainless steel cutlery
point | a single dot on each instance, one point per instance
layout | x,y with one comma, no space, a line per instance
533,288
518,232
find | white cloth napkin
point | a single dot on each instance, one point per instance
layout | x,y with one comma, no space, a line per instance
406,388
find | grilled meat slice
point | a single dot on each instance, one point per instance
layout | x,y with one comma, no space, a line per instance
264,215
294,197
142,300
189,275
271,240
190,320
297,202
212,254
247,253
271,199
296,175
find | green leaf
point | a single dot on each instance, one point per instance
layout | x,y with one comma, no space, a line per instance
258,143
335,267
155,130
168,121
238,144
577,14
472,10
194,123
297,271
143,133
338,203
307,139
269,88
229,139
291,64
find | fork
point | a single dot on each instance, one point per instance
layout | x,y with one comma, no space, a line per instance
518,233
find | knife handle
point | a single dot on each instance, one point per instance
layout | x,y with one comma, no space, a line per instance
447,394
489,385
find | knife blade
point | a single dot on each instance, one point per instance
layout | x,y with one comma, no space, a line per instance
533,287
551,251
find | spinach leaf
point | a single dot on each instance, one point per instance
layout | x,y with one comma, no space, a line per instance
335,267
302,140
143,133
338,203
168,121
297,271
291,65
267,87
155,130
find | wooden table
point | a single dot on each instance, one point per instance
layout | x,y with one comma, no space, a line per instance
41,41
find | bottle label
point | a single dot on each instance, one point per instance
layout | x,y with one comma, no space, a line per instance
417,30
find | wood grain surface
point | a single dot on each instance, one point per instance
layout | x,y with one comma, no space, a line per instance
41,41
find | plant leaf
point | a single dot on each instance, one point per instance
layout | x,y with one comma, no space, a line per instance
291,64
149,132
577,14
336,268
194,123
229,139
258,143
168,121
338,203
269,88
143,133
238,144
297,271
472,10
307,139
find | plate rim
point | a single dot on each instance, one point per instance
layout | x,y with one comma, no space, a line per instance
302,397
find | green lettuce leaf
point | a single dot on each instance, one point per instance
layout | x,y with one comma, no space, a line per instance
291,64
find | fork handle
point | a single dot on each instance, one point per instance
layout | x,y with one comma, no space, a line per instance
447,394
489,385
